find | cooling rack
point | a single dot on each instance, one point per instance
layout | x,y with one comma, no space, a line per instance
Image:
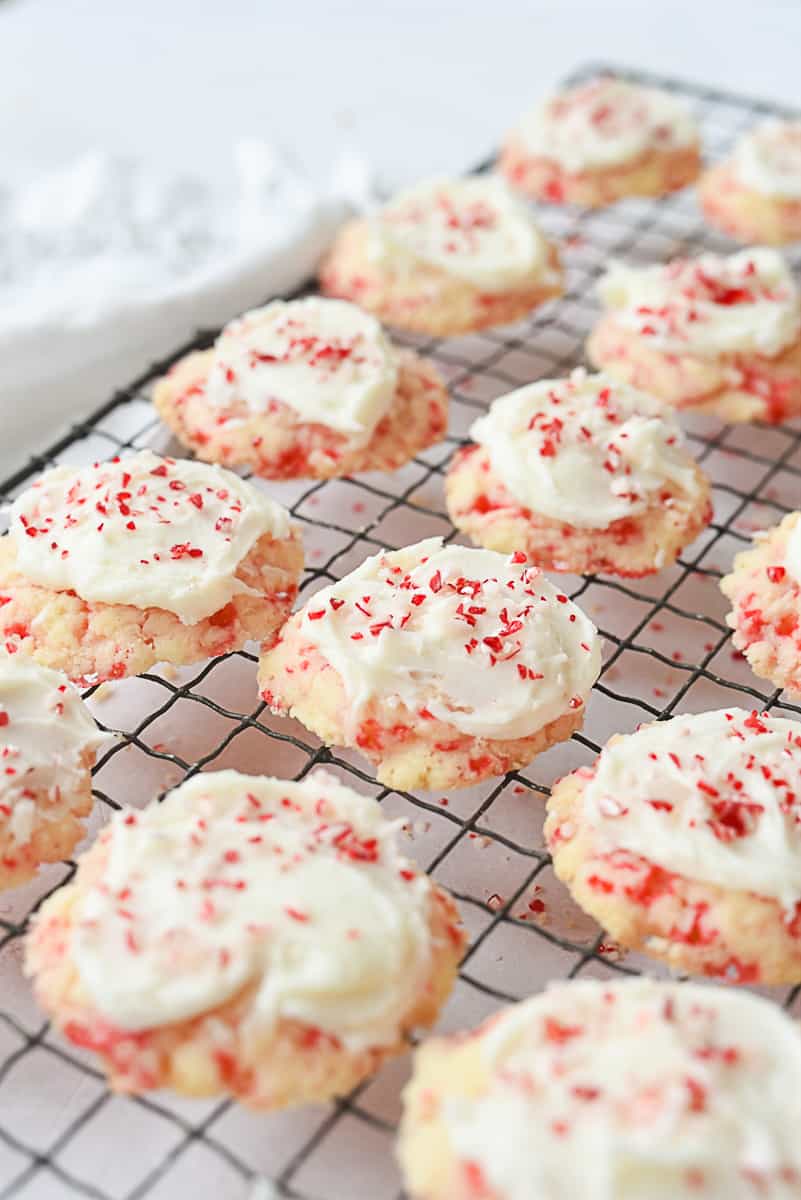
62,1134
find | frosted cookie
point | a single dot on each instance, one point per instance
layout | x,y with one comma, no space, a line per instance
722,334
632,1090
581,474
249,936
446,257
442,665
765,590
48,743
755,195
600,142
684,840
109,569
305,388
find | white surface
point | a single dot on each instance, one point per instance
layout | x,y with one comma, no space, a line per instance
423,86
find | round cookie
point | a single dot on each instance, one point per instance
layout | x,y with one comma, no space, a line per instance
249,936
109,569
445,257
442,665
684,840
632,1090
718,334
582,474
305,388
48,743
755,195
600,142
765,591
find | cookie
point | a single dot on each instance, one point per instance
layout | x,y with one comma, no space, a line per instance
755,194
581,474
445,257
765,591
631,1090
48,743
304,389
442,665
719,334
600,142
109,569
684,840
248,936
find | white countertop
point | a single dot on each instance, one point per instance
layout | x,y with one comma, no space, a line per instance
419,86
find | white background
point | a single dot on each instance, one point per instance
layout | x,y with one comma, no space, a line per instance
421,85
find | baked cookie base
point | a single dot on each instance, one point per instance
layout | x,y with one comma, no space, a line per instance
656,173
220,1052
446,1071
278,445
91,642
480,505
57,828
745,215
733,387
410,749
725,934
766,609
427,299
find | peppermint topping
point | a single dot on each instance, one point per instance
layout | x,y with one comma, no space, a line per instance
326,360
585,450
45,730
475,229
143,530
631,1091
768,159
707,306
478,640
606,122
297,890
714,797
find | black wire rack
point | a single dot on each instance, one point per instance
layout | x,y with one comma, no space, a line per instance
668,649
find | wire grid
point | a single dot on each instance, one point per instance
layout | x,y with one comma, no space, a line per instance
667,649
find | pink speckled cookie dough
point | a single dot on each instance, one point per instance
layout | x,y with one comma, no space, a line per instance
397,659
601,142
764,588
207,570
755,194
306,871
445,258
683,841
310,388
582,474
720,335
48,743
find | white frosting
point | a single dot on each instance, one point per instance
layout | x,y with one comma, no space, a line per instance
792,551
635,1090
747,302
584,450
474,638
714,797
768,159
296,889
143,530
476,229
605,123
327,360
45,731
